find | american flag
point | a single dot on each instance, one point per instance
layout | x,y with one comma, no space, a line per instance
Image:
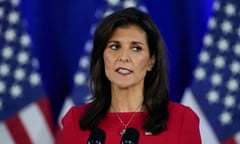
215,90
81,93
25,115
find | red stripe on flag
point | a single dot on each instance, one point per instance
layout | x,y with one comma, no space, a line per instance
45,108
230,141
17,130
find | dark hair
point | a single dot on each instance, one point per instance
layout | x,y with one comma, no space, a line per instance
156,96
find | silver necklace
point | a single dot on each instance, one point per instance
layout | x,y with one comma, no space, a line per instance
122,132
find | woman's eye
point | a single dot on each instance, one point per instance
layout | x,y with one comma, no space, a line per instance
114,46
136,49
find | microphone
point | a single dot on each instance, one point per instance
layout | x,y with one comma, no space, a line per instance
97,136
130,136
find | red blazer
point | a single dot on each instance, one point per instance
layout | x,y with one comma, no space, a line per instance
183,127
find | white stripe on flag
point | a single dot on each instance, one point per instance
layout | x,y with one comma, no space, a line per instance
237,137
207,134
68,103
35,125
5,136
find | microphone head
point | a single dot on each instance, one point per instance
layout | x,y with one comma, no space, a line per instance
97,136
130,136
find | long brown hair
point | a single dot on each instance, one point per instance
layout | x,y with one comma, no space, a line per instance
156,95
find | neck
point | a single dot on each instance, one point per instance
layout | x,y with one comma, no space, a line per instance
138,108
126,100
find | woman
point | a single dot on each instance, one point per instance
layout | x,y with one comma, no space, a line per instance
129,85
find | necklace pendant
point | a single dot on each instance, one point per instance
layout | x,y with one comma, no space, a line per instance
123,132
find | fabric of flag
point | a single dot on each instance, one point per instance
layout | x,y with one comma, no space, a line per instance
81,93
215,90
25,115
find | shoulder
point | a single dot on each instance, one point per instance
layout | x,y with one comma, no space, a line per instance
186,122
74,113
70,125
181,110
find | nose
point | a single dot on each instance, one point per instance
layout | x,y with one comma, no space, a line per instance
124,56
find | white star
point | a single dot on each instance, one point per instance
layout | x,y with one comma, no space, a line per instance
19,74
84,62
229,101
230,9
226,27
113,2
7,52
236,49
22,57
222,45
13,17
34,79
212,23
2,87
204,57
235,67
213,96
200,73
10,35
4,70
92,30
232,85
129,3
25,40
15,2
216,5
108,12
15,91
88,46
225,118
219,62
143,8
208,40
80,78
216,79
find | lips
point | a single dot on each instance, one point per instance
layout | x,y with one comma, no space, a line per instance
123,71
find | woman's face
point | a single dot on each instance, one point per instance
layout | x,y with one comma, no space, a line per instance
127,57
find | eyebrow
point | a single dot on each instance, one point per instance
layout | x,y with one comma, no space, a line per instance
133,42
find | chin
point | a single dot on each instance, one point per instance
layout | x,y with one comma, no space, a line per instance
124,86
